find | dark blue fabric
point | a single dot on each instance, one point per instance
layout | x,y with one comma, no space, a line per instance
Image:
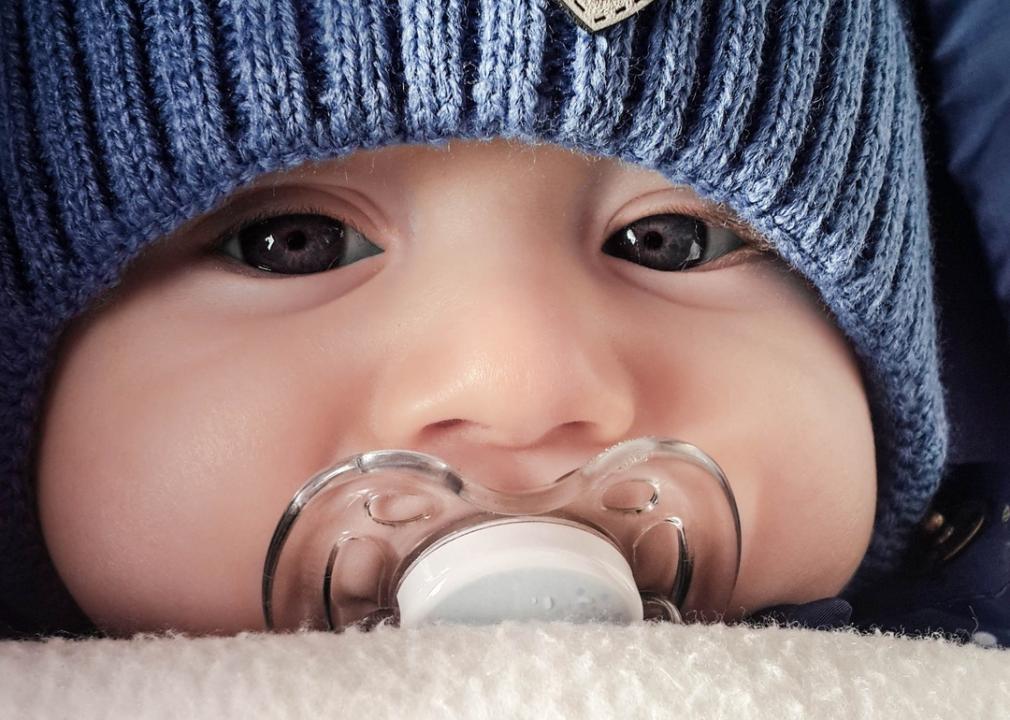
969,596
974,340
826,614
970,59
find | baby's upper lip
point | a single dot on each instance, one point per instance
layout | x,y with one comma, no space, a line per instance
512,471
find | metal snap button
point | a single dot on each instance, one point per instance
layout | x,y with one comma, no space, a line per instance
948,533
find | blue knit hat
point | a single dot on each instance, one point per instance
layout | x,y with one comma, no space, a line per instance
121,119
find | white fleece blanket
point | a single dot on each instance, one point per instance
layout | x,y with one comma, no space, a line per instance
508,671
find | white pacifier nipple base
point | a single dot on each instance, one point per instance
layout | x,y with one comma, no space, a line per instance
519,569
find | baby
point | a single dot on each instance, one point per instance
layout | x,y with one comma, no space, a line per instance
242,242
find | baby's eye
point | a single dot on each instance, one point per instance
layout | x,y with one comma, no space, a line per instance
297,244
671,242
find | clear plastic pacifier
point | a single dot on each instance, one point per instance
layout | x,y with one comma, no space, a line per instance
648,529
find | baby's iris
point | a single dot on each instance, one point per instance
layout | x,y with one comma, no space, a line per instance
298,244
670,242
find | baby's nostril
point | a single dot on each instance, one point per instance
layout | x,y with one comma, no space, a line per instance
446,423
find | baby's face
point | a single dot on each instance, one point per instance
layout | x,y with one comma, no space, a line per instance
512,310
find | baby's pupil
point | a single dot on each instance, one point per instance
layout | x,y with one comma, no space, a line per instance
652,240
296,240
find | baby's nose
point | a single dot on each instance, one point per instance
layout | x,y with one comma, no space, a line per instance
510,361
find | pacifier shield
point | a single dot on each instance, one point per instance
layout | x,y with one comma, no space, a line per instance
399,534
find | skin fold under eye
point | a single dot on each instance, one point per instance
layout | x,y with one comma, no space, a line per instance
671,242
296,244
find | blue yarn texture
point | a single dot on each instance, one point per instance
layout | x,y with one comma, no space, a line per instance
121,119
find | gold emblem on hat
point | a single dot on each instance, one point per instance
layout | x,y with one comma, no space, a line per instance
594,15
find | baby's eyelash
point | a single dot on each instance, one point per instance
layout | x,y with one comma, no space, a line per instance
267,214
754,244
720,218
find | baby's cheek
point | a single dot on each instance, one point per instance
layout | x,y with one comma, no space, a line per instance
147,529
161,476
812,496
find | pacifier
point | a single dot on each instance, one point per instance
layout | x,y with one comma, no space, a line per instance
648,529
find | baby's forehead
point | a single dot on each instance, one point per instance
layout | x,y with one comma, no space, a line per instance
457,154
398,169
